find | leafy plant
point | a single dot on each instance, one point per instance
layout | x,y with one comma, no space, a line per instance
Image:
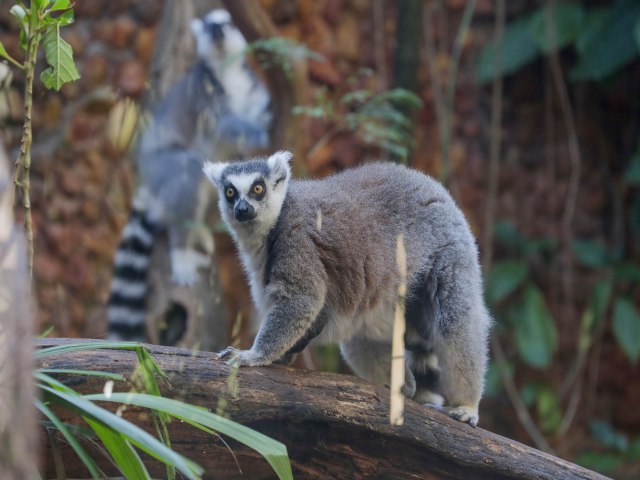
121,439
604,38
281,52
39,22
616,449
379,119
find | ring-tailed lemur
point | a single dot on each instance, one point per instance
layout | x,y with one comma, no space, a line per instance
321,260
219,109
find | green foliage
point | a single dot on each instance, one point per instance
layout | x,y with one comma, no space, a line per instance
535,329
591,254
605,39
617,448
555,26
511,291
281,52
60,59
626,327
632,173
504,278
122,439
610,45
380,119
518,49
41,21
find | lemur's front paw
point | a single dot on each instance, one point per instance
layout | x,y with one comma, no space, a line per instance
465,414
241,358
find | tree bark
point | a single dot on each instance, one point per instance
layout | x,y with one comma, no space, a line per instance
334,426
18,439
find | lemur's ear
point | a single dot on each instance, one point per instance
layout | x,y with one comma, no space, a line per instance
213,171
279,163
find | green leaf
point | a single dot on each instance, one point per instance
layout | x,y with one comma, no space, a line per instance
600,298
557,25
607,436
507,234
611,45
519,48
3,51
529,393
92,373
626,328
274,452
123,454
549,410
20,13
591,254
80,451
60,5
134,434
535,329
60,59
505,278
632,173
601,462
628,272
86,345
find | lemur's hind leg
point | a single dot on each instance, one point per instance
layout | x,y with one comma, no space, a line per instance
462,347
371,360
420,314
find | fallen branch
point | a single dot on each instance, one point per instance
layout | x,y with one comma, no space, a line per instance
335,426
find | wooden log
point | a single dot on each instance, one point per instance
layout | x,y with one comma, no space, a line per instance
334,426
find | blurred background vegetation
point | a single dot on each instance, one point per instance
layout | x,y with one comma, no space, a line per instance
529,111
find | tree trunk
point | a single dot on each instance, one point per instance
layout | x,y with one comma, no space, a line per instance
334,426
17,413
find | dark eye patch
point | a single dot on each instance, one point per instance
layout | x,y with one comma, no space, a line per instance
258,189
230,192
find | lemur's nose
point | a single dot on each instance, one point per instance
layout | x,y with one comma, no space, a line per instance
244,211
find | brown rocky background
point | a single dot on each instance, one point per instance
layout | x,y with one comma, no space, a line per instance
81,187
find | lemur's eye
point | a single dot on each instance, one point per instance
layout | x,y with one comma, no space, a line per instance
230,192
258,189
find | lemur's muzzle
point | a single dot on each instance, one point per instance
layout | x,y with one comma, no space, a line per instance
244,211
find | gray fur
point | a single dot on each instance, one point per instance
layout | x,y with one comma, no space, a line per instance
321,260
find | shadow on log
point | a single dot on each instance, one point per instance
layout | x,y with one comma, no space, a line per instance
334,426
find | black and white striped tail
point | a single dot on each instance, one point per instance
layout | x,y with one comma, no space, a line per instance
126,309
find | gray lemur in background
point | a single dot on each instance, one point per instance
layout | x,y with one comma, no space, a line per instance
321,261
220,110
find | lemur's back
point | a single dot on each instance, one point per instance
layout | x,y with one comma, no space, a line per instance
354,219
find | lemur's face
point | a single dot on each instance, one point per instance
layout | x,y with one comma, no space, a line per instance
217,38
251,192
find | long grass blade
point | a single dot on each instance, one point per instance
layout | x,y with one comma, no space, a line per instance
273,451
80,451
125,456
134,434
89,373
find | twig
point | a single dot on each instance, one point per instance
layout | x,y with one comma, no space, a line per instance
494,169
576,164
322,141
436,84
24,158
452,79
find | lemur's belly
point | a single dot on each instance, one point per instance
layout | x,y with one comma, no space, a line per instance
376,324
